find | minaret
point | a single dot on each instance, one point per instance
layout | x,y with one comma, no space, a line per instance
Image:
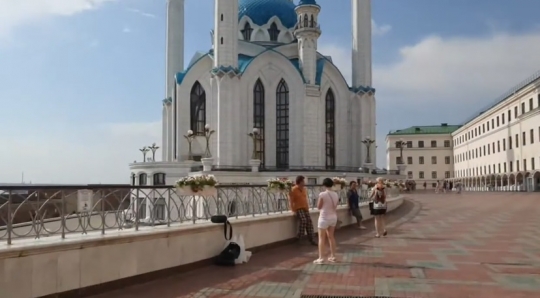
307,32
364,104
226,33
361,43
175,43
229,129
174,63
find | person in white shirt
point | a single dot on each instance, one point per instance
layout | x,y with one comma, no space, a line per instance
327,205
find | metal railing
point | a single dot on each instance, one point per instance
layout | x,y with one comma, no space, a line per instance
44,211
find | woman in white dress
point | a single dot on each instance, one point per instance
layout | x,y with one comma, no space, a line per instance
327,205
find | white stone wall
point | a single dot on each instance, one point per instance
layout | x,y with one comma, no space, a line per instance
499,135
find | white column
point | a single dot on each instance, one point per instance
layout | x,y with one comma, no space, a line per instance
174,44
226,33
361,43
165,133
228,128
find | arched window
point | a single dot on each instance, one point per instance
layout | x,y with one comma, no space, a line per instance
274,32
246,32
258,118
330,124
312,22
282,125
197,109
143,179
133,179
306,20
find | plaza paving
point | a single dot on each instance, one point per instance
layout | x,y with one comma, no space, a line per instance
446,245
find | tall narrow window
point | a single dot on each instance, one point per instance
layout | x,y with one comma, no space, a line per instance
258,118
312,22
197,109
330,124
282,125
273,32
246,32
306,20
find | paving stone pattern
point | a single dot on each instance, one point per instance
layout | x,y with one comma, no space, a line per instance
439,246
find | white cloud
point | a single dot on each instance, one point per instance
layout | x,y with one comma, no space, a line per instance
97,155
452,77
126,29
141,13
15,13
377,29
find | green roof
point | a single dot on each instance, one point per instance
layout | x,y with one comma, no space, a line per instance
426,130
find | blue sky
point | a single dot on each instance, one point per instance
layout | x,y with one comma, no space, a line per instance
81,81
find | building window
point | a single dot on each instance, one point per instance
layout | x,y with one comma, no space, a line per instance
421,175
532,163
511,166
398,160
159,179
420,144
246,32
434,160
282,125
498,146
447,160
434,174
409,144
517,165
515,112
433,144
133,179
517,140
398,144
504,167
502,118
259,118
447,174
524,165
159,209
523,138
143,179
509,143
312,22
197,109
509,116
447,144
504,144
306,20
532,136
409,160
410,175
530,104
421,160
273,32
522,108
330,119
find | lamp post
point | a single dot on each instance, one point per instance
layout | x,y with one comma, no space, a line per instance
144,150
401,144
154,148
189,137
207,134
368,142
255,137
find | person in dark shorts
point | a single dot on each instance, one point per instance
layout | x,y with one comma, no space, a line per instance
378,197
354,204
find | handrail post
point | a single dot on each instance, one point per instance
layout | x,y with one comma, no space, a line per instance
9,219
137,208
63,214
101,195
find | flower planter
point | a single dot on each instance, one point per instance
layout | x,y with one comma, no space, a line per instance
207,191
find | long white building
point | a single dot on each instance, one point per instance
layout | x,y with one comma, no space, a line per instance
500,147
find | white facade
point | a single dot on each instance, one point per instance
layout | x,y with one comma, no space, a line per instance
501,147
428,156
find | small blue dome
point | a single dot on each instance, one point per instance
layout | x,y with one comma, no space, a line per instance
261,11
307,2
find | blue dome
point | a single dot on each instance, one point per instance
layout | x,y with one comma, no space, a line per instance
307,2
261,11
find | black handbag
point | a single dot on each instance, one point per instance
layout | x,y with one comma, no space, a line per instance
227,227
370,206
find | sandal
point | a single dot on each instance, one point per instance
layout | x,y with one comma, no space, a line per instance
377,236
385,233
332,259
318,261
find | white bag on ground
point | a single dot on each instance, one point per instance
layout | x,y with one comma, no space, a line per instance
244,255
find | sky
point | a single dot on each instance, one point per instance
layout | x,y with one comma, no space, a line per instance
81,81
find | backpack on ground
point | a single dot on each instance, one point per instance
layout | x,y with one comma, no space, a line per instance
228,256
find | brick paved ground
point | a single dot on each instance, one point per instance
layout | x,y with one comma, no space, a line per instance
439,246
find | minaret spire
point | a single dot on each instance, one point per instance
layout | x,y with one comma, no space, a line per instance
361,43
175,43
307,32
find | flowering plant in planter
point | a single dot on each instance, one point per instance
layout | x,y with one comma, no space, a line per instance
339,183
280,184
202,184
369,184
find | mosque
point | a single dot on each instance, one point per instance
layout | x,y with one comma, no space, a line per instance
265,75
